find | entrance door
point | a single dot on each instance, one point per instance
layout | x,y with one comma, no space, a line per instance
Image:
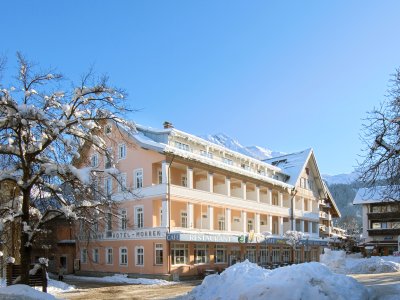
63,262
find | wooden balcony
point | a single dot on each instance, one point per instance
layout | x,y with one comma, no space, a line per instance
372,232
387,216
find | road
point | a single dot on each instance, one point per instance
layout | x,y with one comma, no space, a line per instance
384,286
86,290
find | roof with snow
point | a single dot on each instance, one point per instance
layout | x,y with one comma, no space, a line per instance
374,195
292,164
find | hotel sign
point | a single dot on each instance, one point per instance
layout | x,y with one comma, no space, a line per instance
138,234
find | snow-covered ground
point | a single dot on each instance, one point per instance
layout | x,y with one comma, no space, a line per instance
304,281
121,278
56,287
325,280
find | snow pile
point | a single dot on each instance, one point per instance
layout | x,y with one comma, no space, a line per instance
374,265
334,260
23,292
304,281
122,278
56,287
338,262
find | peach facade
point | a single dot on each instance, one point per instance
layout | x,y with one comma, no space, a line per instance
197,207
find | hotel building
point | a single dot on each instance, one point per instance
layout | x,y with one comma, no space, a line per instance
198,206
380,220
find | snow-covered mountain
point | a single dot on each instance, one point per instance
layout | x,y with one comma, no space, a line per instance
261,153
233,144
340,178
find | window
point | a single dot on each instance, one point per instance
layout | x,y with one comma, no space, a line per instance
121,151
123,256
108,158
310,184
275,200
161,219
121,182
138,216
201,254
124,220
109,224
109,256
251,253
250,225
95,225
159,254
140,256
94,160
96,255
138,178
179,253
182,146
184,180
220,254
227,161
159,173
107,129
303,182
221,222
184,219
108,185
84,255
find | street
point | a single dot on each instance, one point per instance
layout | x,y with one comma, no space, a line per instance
385,286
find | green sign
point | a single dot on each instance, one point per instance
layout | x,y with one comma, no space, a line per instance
241,239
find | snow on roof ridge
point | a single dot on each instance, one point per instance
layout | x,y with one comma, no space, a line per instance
175,130
290,154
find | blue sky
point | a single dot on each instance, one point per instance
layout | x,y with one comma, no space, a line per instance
286,75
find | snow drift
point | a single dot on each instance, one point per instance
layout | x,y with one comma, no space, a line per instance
304,281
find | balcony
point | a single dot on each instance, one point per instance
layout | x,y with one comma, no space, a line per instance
387,216
395,231
214,198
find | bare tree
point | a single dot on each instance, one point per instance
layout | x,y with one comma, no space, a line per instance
381,136
42,130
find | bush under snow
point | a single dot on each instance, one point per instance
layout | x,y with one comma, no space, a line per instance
304,281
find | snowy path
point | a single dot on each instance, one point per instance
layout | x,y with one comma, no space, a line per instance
384,286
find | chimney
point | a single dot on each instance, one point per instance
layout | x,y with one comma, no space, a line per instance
168,125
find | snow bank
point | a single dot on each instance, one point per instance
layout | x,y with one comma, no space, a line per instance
23,292
122,278
338,262
304,281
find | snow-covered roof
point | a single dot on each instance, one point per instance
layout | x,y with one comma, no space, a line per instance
331,200
292,164
155,139
373,195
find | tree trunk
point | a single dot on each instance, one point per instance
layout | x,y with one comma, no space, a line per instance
25,248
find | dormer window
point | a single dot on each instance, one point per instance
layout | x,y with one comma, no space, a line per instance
245,166
206,154
227,161
182,146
